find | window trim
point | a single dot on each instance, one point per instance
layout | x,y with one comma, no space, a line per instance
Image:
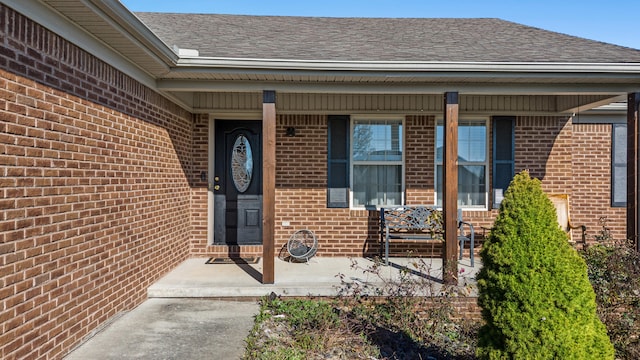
353,162
479,119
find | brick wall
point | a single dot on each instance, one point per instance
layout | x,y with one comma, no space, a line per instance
199,195
592,181
420,160
301,197
95,190
543,147
466,308
573,159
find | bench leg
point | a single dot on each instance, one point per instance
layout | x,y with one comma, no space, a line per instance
386,252
471,243
386,249
462,240
471,251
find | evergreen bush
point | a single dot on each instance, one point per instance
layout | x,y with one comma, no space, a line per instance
535,295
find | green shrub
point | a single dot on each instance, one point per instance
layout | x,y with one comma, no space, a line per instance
535,295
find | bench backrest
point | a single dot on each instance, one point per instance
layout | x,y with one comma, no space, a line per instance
422,218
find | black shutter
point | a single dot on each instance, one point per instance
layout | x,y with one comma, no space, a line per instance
338,162
619,165
503,156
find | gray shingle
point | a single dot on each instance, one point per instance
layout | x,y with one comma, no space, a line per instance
377,39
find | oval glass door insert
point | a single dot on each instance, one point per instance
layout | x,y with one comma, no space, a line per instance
241,163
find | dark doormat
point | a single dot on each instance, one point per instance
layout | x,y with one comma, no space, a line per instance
234,260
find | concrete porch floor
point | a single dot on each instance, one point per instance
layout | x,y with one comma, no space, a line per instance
194,278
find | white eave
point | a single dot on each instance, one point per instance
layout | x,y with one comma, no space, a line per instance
410,66
103,21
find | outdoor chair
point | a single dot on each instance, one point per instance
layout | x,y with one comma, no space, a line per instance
561,203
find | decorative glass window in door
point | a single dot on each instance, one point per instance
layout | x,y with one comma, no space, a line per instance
241,163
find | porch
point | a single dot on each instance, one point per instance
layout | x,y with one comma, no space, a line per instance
320,276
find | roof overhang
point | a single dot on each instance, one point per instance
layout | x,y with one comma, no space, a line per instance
110,31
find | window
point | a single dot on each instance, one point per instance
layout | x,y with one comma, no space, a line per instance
619,165
472,163
376,162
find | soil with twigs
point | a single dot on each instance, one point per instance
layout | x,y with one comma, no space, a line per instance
364,324
366,329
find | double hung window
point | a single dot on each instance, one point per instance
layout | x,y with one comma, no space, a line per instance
472,163
376,162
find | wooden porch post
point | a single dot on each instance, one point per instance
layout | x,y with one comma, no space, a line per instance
633,168
450,187
268,185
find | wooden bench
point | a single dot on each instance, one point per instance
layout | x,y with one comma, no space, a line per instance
419,223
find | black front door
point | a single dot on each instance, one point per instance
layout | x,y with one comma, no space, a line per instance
237,183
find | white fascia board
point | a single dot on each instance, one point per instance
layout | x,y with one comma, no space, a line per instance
60,25
403,66
486,88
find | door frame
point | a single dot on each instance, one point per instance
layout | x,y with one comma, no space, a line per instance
211,158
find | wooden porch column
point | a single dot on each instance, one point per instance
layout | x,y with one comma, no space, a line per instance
450,188
633,168
268,185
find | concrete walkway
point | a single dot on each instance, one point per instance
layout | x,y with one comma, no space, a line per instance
202,310
179,329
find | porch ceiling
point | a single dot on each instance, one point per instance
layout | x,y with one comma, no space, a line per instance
495,93
400,103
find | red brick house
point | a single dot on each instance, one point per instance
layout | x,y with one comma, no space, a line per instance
131,142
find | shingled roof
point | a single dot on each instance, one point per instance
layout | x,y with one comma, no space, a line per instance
377,39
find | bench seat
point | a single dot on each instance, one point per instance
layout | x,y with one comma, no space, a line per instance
420,223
